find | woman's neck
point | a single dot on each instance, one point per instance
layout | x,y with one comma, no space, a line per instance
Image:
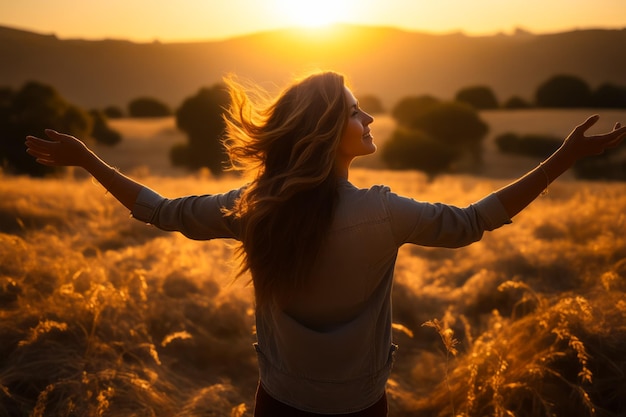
342,169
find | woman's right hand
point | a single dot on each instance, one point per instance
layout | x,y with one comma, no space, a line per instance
60,150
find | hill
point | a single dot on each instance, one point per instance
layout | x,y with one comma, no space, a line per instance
387,62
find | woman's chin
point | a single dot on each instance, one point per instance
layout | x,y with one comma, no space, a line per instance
370,147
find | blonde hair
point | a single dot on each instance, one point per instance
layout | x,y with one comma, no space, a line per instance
290,146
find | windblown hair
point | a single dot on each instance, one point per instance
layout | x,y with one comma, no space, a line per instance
290,147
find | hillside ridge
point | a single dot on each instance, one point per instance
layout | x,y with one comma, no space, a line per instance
388,62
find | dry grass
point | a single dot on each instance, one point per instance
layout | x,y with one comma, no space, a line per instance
101,315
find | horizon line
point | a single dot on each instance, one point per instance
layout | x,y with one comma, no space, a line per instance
511,32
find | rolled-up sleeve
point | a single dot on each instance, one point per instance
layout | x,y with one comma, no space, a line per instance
441,225
197,217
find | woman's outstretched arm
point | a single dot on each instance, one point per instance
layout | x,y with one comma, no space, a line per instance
519,194
66,150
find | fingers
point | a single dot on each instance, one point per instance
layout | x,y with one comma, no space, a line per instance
36,151
54,135
41,150
35,140
38,146
41,157
619,131
47,162
613,138
584,126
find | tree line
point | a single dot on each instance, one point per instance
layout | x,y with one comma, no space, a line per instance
559,91
437,136
432,135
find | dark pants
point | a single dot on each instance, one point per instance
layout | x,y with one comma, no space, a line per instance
266,406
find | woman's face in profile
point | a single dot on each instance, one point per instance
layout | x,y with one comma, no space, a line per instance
356,139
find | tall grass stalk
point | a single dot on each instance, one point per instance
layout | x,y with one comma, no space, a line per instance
101,315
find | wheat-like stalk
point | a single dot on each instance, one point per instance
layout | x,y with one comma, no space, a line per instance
449,341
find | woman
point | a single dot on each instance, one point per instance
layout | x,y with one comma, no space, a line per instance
320,251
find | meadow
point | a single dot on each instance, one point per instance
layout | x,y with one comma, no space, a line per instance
101,315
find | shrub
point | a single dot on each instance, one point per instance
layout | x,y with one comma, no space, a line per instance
148,107
200,117
179,155
29,111
609,96
534,145
101,131
113,112
453,123
414,149
564,91
408,108
479,97
443,131
516,102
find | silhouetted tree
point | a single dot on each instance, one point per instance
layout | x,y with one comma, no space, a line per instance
414,149
441,132
456,125
540,146
371,104
479,97
113,112
6,104
101,131
516,102
609,96
564,91
200,117
29,111
409,107
148,107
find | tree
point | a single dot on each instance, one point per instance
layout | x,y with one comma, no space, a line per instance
148,107
609,96
414,149
565,91
455,124
434,135
200,117
535,145
516,102
409,107
113,112
29,111
479,97
101,131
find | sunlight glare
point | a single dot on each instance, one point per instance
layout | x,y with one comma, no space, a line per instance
313,13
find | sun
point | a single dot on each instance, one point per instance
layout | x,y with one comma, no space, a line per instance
313,13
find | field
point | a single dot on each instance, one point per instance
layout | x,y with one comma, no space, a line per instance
101,315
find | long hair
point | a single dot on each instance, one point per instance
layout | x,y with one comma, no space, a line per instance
286,210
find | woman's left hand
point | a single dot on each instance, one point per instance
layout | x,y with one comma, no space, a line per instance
578,146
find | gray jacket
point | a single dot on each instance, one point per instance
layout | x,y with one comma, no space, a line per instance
332,351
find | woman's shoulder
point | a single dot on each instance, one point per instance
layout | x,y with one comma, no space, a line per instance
371,190
372,199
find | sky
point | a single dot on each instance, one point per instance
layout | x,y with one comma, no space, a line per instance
191,20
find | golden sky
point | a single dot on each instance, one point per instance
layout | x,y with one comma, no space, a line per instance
183,20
